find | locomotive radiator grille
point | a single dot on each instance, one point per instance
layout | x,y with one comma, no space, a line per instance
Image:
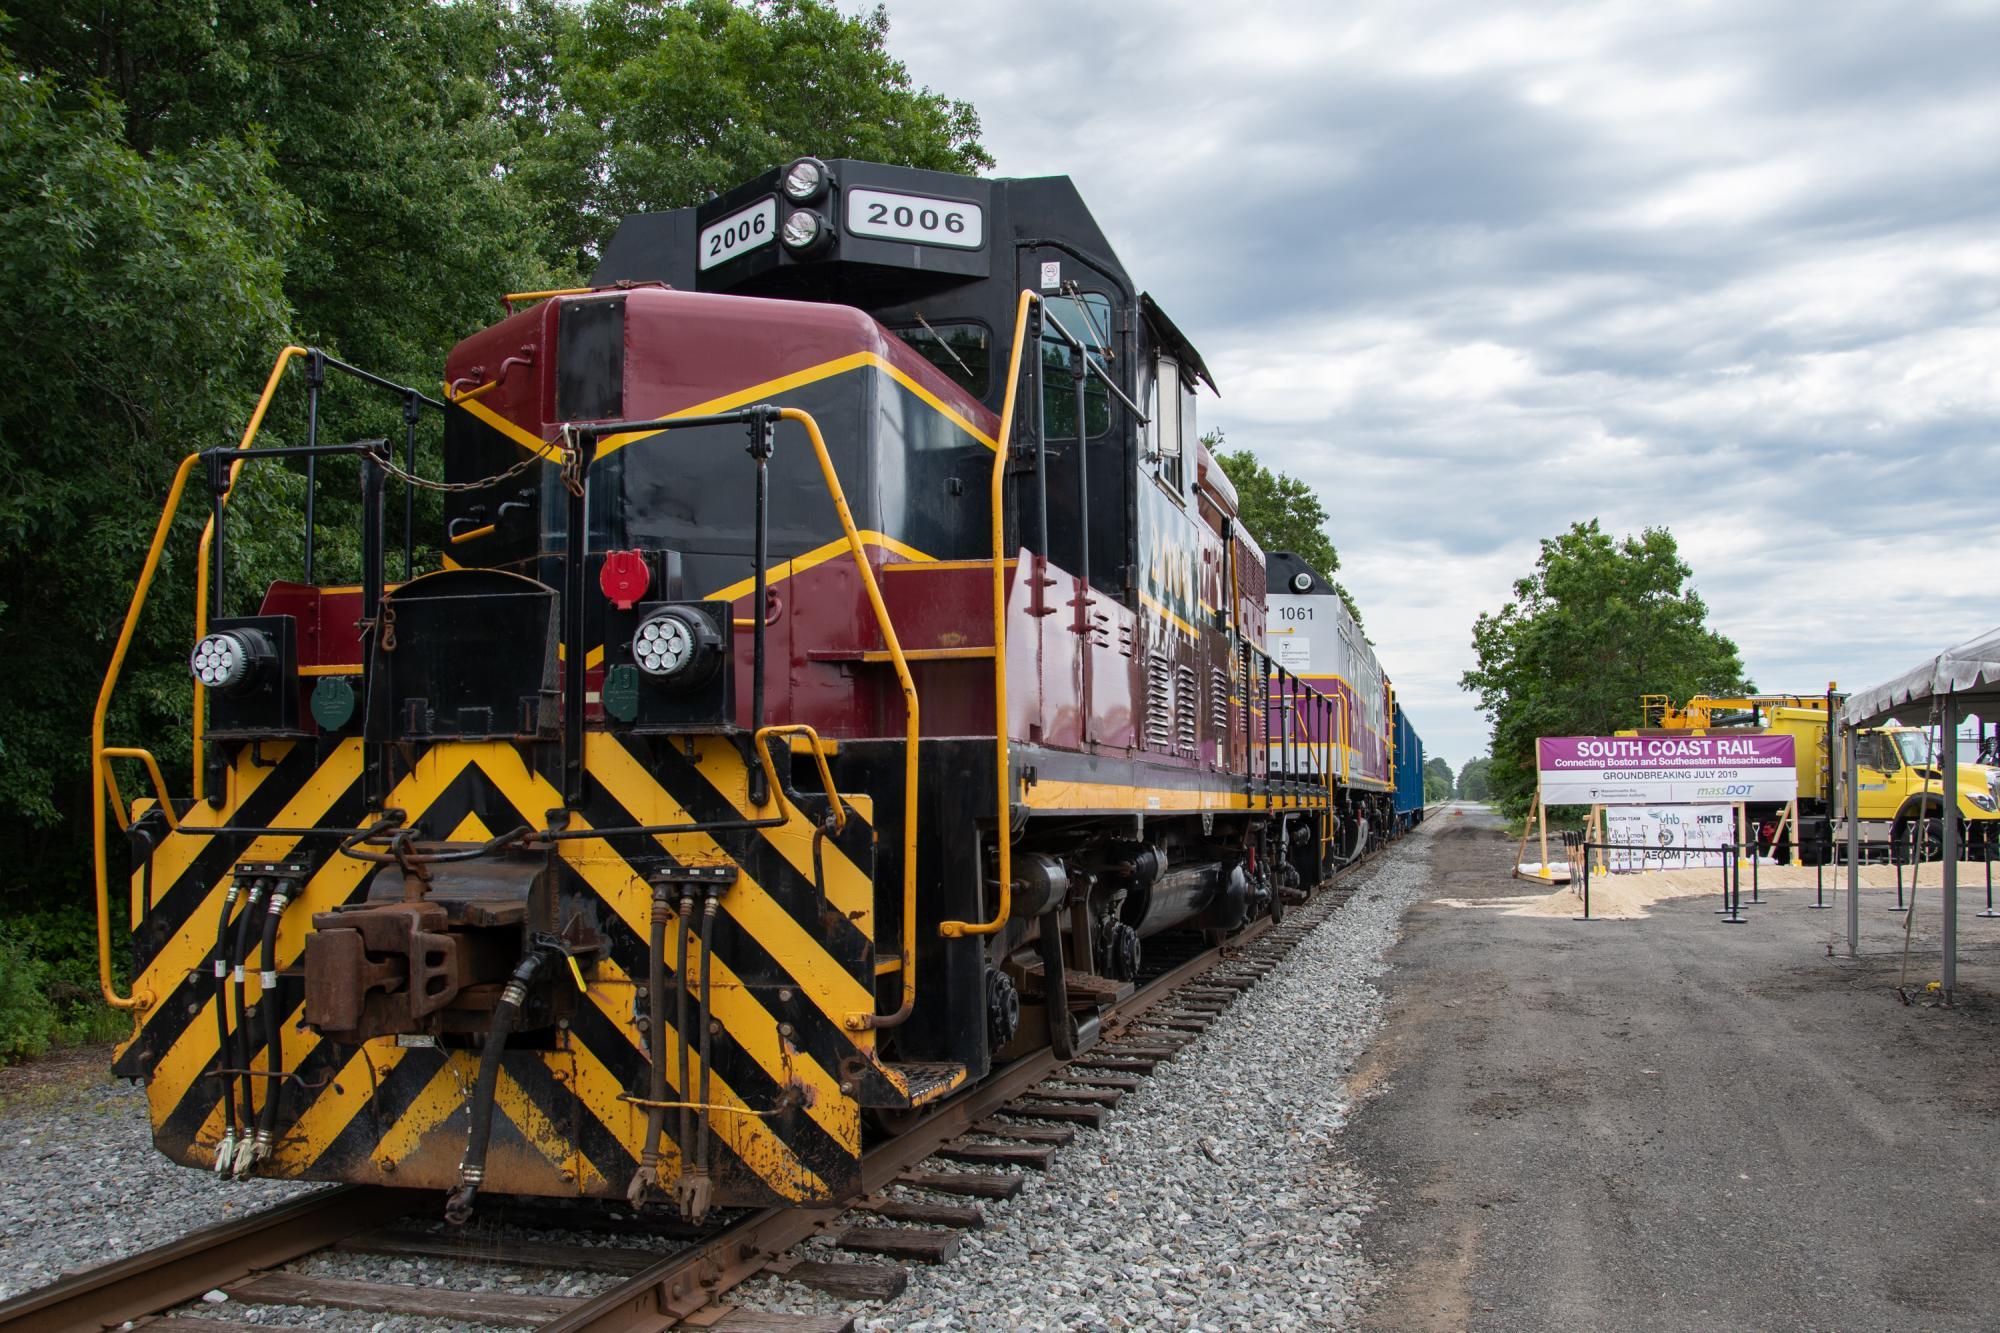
1159,702
1186,708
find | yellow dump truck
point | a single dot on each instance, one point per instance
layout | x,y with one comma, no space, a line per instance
1900,789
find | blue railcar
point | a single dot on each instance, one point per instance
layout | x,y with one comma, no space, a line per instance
1409,773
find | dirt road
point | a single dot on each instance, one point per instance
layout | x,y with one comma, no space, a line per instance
1673,1124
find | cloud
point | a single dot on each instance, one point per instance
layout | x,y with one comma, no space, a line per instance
1478,271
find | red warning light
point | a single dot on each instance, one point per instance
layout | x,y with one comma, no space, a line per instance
625,578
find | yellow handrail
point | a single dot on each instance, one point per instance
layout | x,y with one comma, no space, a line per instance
819,757
871,1019
200,780
152,768
98,792
1002,760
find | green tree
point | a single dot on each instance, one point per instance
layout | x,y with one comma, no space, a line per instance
1281,512
626,106
1472,780
1597,624
141,294
1437,780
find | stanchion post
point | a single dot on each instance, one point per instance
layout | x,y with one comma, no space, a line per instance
1584,850
1819,871
1754,899
1988,858
1733,867
1897,861
1724,909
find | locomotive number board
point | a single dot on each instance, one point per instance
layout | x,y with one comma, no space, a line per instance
739,233
890,216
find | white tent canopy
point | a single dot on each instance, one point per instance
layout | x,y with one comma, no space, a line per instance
1971,671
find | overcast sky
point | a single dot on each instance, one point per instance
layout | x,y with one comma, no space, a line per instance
1478,271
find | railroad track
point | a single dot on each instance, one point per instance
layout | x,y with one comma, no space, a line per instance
675,1275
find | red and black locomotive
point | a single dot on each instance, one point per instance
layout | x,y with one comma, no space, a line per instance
844,667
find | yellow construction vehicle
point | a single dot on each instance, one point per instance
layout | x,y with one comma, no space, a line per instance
1900,784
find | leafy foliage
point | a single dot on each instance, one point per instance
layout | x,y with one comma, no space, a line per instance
1599,623
187,187
1437,780
1473,784
626,106
1281,512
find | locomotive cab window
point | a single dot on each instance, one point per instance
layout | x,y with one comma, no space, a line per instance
1087,318
1170,408
963,351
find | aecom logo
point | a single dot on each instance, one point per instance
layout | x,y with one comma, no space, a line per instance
1735,789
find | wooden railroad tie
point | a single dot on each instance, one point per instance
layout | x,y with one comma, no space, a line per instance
1058,1135
973,1184
1034,1156
1084,1114
476,1249
848,1280
484,1307
962,1215
1129,1082
931,1245
1121,1063
1061,1094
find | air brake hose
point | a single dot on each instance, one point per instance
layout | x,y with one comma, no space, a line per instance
684,1138
273,1016
220,960
239,1037
648,1175
472,1172
693,1190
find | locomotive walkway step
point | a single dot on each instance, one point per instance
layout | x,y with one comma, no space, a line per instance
1030,1155
489,1307
1058,1135
963,1215
926,1245
851,1281
975,1184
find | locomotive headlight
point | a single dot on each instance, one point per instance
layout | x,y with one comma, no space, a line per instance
804,180
664,646
228,660
677,646
1302,582
804,230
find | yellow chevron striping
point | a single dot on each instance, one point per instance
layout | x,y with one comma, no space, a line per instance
337,1104
748,1136
848,888
449,1090
549,1139
330,886
820,978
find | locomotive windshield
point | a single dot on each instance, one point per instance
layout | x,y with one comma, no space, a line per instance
964,351
1087,318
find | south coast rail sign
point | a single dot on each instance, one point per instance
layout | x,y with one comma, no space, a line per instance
1665,770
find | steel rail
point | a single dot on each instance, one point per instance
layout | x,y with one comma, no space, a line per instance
683,1284
661,1297
184,1268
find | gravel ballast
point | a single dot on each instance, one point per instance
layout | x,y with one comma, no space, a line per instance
81,1184
1215,1196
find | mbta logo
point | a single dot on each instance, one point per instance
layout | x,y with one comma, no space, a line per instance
1733,789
